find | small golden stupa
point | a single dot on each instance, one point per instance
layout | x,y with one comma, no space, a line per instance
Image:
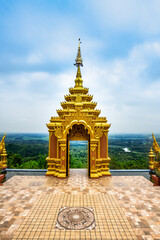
154,157
3,154
78,120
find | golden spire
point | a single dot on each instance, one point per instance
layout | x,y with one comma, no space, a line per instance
79,62
155,145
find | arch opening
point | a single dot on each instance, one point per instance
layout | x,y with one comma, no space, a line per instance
77,132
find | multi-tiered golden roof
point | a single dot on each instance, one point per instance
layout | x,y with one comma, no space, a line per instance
78,114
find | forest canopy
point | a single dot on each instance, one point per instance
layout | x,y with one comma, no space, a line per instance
29,151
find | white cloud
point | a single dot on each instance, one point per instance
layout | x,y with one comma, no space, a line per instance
132,15
128,98
28,100
35,38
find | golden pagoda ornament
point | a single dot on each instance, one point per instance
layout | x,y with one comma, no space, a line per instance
78,120
154,157
3,154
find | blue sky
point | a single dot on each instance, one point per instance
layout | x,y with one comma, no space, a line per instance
121,53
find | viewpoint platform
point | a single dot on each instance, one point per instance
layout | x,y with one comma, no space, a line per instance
119,207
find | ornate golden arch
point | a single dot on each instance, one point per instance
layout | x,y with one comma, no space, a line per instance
78,122
78,108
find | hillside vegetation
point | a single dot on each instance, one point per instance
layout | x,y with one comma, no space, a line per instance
29,151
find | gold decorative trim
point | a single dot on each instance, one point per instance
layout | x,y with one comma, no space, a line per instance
98,132
93,149
63,148
106,134
79,120
58,132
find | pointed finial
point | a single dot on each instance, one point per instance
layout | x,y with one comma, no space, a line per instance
151,151
79,62
79,57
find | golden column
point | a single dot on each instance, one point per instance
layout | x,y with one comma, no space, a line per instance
151,160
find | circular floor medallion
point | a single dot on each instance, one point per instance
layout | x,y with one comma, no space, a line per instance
75,218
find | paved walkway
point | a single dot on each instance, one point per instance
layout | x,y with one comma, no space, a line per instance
125,207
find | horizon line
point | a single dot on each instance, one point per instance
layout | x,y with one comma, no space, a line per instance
47,133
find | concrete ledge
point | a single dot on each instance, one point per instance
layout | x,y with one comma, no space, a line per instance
25,170
80,169
42,172
130,170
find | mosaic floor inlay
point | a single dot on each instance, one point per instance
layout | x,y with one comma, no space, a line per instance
125,207
75,218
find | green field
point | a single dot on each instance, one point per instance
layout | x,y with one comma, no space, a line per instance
29,151
78,154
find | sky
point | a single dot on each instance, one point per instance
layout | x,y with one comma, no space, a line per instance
121,56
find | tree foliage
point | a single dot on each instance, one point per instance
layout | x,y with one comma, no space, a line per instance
26,151
31,150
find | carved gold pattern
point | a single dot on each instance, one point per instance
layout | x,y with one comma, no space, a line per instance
3,154
98,132
63,148
78,98
151,160
2,144
58,132
78,132
154,158
106,134
79,120
50,134
93,149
